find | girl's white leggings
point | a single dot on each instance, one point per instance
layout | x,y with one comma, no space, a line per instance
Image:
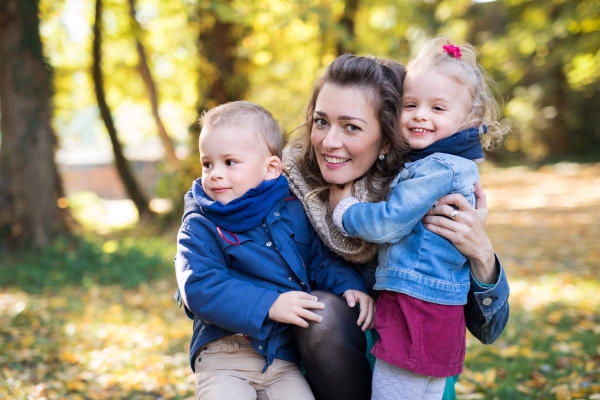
393,383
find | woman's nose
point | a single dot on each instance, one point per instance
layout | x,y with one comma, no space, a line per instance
332,139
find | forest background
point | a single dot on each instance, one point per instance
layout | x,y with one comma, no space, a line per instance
86,306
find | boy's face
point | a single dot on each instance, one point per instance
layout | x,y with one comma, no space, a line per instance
433,108
232,162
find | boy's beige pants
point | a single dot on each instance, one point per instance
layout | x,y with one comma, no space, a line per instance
230,369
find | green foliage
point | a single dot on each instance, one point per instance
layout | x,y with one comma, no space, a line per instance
89,261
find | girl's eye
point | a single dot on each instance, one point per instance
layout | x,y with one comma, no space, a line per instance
409,105
320,122
230,163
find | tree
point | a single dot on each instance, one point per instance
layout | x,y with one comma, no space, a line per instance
121,162
151,89
30,187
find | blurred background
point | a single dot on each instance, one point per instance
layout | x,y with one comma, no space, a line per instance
99,101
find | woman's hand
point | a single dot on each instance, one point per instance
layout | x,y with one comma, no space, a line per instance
466,231
336,194
367,307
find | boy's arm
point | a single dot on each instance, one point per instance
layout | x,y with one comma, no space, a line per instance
328,271
388,222
212,294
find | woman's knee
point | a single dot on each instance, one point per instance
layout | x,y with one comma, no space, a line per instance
338,318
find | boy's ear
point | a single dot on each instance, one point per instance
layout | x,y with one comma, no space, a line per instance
273,167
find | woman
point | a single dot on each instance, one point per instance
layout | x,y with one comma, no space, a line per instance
350,133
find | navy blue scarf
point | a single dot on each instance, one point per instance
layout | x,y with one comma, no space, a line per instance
465,143
245,212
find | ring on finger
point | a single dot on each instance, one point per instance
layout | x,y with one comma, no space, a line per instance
453,214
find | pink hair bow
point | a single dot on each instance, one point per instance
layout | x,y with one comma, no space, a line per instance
452,50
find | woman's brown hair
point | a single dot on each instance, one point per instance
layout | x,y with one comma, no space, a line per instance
382,80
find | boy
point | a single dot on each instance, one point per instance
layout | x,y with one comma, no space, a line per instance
247,257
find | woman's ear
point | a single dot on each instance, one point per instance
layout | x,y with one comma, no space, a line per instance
273,168
387,145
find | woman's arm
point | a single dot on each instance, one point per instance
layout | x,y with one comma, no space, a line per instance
487,308
466,232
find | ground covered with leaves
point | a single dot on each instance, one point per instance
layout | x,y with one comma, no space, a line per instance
97,320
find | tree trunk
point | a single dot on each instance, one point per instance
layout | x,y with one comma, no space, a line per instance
151,89
29,182
226,78
558,132
121,162
345,43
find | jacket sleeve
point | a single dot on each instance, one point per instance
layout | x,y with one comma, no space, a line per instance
216,297
487,309
389,221
328,271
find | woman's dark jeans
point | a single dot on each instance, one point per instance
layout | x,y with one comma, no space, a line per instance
333,352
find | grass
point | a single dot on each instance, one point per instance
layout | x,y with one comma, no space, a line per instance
95,318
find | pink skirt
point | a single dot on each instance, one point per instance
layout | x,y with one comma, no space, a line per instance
425,338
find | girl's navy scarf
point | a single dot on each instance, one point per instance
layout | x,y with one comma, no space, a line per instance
465,143
245,212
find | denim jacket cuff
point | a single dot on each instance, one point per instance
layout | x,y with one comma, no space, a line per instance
492,299
338,214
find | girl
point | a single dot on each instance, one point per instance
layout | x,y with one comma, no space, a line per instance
424,279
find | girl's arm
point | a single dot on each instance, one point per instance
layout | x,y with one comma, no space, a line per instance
391,220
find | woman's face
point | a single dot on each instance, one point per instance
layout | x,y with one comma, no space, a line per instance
345,134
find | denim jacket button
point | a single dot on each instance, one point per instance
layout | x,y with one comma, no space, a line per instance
276,214
487,301
289,278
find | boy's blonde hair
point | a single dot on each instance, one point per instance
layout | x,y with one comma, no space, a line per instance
465,70
249,116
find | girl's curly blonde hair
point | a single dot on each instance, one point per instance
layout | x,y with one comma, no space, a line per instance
486,110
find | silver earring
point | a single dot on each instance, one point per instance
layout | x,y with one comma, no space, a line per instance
381,156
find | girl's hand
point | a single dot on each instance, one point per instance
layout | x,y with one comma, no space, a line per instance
466,231
292,308
367,307
336,194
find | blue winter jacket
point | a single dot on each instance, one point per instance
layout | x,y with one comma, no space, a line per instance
230,288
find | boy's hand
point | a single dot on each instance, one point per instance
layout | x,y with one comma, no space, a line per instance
292,307
336,194
367,307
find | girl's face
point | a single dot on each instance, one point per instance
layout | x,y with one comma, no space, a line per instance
346,134
433,107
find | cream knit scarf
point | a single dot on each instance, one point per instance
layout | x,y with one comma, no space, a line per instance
319,213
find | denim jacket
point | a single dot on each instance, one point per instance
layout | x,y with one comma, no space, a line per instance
413,260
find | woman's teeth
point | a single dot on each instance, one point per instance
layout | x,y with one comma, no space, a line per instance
336,160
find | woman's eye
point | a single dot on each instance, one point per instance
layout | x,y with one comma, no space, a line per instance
320,122
352,128
230,163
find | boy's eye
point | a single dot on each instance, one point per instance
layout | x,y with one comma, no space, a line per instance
206,165
230,163
438,108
